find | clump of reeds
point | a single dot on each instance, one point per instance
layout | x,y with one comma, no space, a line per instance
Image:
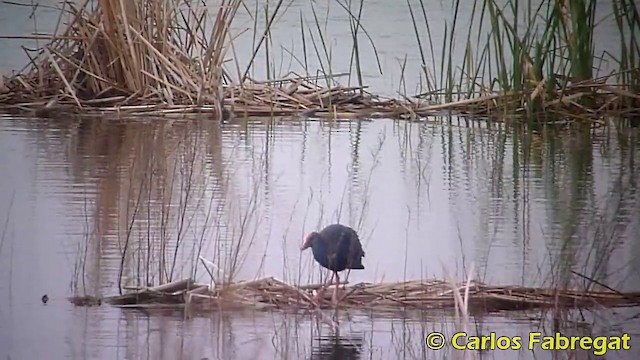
533,57
128,52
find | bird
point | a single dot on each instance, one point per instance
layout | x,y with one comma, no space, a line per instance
336,247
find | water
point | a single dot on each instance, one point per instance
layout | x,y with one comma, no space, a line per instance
438,196
429,199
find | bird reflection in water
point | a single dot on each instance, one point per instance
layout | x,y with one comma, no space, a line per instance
337,347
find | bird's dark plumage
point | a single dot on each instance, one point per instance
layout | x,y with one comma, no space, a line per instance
336,247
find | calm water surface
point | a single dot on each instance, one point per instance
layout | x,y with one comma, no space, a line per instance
429,199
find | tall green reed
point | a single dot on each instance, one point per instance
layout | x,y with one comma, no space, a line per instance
522,47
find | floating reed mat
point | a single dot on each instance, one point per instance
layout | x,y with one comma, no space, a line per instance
271,293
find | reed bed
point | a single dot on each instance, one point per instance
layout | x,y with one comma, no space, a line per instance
157,58
164,58
294,96
271,294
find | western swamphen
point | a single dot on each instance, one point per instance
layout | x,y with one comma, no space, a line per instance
336,247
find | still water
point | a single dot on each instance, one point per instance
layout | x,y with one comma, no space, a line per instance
430,199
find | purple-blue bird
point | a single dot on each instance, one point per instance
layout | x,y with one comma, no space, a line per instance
337,248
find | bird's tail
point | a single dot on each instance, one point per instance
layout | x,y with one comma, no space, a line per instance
357,265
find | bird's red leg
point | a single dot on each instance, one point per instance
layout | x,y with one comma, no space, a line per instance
320,293
344,286
334,298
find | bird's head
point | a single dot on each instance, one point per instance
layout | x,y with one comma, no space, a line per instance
308,240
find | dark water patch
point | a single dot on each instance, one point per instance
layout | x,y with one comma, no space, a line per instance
337,347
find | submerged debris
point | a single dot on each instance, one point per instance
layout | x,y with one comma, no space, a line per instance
85,301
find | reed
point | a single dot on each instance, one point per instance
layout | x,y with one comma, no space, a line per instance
5,226
462,317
